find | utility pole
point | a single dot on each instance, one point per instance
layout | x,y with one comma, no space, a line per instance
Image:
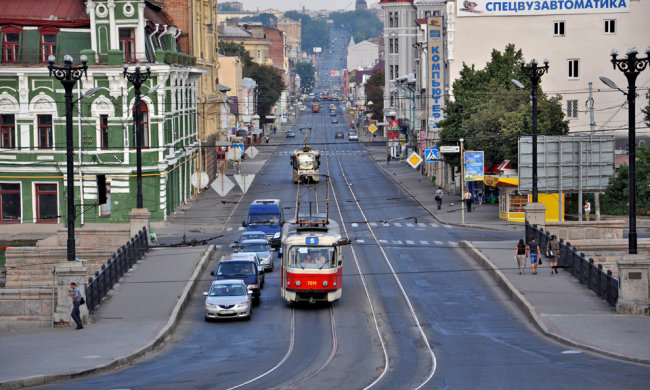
592,125
462,182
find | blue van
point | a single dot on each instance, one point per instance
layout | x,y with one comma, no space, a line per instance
266,215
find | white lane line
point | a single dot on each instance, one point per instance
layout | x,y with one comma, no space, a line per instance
399,242
360,241
229,229
420,224
397,224
354,224
433,224
373,224
424,242
409,225
383,241
241,228
438,242
452,243
447,226
409,242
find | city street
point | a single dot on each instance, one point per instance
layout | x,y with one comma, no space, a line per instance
415,312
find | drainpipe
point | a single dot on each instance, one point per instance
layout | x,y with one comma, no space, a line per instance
153,47
165,27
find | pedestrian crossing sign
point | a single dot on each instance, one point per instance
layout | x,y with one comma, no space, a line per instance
431,155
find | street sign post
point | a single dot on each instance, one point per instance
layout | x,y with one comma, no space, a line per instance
372,128
450,149
414,160
431,155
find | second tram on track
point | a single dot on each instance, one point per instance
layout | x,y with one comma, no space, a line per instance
312,258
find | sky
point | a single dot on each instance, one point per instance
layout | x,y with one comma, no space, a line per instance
287,5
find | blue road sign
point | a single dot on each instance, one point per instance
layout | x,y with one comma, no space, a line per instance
238,145
431,155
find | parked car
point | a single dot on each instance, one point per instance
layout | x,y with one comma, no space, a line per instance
291,134
339,134
352,136
228,299
261,248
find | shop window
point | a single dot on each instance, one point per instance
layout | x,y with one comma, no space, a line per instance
103,131
45,140
105,209
145,124
9,202
10,44
46,203
127,44
7,131
517,203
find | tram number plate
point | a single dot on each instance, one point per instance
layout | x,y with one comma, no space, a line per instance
311,282
311,240
227,312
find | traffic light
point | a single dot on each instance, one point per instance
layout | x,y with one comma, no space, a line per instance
101,189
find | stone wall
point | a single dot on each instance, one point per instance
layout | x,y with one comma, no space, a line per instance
607,252
592,230
26,308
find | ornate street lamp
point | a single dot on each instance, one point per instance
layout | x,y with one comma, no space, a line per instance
69,75
631,66
534,73
137,78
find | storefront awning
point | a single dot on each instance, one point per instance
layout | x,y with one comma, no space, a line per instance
500,181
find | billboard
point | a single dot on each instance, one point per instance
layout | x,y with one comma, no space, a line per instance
567,163
436,69
473,166
540,7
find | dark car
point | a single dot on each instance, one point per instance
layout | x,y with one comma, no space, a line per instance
291,134
339,134
334,120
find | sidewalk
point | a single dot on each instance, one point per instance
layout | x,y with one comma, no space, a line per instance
558,306
141,311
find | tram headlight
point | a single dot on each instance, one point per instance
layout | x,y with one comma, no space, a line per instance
324,284
298,283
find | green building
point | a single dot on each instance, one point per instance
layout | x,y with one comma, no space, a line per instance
112,34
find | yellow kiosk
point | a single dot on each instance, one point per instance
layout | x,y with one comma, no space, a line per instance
511,202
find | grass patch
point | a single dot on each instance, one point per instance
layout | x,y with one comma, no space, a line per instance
12,243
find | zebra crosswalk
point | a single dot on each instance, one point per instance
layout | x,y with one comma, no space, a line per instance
420,243
328,153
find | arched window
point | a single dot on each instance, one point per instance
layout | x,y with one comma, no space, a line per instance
145,124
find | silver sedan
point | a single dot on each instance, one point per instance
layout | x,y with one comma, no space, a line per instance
261,248
228,299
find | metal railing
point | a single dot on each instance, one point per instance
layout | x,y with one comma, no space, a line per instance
604,284
111,272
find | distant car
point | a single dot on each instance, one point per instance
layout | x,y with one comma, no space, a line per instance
261,248
334,120
252,235
339,134
228,299
352,136
291,134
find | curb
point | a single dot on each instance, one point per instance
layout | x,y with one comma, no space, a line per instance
466,226
528,310
162,335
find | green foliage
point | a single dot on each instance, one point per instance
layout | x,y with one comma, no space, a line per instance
491,113
615,199
646,110
315,32
229,48
361,23
306,71
375,94
269,84
268,20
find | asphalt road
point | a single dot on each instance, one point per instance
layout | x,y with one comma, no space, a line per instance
415,313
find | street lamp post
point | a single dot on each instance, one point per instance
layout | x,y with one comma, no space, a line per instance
534,73
631,66
69,75
137,78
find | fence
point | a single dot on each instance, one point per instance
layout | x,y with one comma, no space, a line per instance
594,277
111,272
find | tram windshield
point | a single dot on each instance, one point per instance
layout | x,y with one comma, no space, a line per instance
312,257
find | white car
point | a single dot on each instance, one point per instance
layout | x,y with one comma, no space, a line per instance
352,136
261,248
228,299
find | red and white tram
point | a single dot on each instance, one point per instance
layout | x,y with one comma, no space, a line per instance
312,260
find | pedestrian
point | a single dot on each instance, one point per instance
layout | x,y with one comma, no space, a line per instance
533,253
553,254
480,196
439,195
467,197
520,256
388,159
267,139
587,209
75,294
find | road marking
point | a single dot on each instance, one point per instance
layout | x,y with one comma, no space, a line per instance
360,241
420,224
409,225
438,242
240,228
354,224
397,224
409,242
373,224
229,229
424,242
452,243
447,226
433,224
399,242
218,246
383,241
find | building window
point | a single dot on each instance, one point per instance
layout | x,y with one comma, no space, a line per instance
7,131
48,44
390,19
396,45
396,71
392,69
103,131
396,17
46,203
573,69
9,202
11,45
390,45
572,108
145,124
105,209
610,26
558,29
45,132
127,44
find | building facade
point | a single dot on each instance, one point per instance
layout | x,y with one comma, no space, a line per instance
111,34
362,55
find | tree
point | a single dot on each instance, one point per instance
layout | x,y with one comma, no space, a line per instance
615,200
306,71
491,113
315,32
268,20
375,94
361,23
646,110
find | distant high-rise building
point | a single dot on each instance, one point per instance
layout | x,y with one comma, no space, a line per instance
361,4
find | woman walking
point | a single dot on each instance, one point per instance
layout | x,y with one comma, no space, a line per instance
553,250
520,256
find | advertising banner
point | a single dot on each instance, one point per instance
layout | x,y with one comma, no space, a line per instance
394,124
541,7
436,69
473,166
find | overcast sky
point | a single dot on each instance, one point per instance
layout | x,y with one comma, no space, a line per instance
286,5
